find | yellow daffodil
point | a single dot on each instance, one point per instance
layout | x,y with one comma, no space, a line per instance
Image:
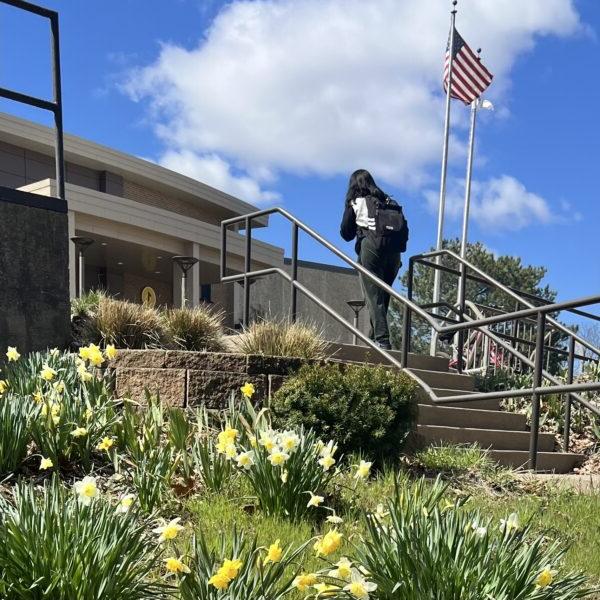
46,463
278,457
219,581
54,352
228,435
252,440
125,503
343,570
3,386
169,531
284,476
327,462
245,460
48,373
359,587
289,441
247,390
37,397
84,374
79,432
303,581
267,440
231,567
329,543
324,590
110,351
315,500
12,354
96,358
545,578
327,450
84,353
86,489
363,470
59,387
511,524
274,553
176,565
334,519
106,444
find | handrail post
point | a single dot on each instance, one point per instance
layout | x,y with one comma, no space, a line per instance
223,250
567,424
537,383
247,268
293,290
406,325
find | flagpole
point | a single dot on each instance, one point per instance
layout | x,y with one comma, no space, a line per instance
442,201
467,207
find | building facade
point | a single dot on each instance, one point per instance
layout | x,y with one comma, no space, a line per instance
140,215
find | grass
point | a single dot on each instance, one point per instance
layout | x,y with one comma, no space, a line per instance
280,337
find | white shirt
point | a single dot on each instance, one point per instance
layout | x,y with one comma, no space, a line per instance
362,214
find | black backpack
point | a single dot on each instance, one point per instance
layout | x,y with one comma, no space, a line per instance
391,227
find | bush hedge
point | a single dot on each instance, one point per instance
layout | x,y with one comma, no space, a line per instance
365,409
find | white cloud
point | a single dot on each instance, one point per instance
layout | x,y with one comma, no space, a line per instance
499,204
327,86
216,172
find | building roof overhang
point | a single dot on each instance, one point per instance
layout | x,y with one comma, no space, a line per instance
39,138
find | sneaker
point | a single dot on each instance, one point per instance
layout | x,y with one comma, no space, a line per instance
384,345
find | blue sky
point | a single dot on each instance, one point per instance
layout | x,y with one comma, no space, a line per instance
278,101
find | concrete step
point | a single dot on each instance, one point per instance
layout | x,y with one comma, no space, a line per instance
450,381
553,462
451,416
368,355
423,398
498,439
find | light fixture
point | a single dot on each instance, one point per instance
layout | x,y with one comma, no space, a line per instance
356,306
185,263
159,258
157,272
82,244
103,244
120,263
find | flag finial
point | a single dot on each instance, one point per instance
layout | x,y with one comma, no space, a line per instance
454,3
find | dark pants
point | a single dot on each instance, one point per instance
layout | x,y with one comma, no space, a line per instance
384,265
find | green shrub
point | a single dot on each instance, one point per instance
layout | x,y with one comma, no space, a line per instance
199,328
425,547
283,338
363,408
54,546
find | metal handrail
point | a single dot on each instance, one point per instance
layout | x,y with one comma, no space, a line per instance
513,294
540,312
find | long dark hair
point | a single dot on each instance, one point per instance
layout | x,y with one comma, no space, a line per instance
361,185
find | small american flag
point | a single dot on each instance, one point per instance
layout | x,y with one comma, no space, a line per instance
469,77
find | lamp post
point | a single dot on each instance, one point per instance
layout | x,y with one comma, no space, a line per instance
185,263
356,306
82,244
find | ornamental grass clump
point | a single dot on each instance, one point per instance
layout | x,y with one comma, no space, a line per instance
128,325
199,328
64,544
280,337
425,546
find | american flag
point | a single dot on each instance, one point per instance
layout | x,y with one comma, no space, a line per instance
469,77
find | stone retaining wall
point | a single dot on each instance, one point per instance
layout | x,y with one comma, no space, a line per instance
193,378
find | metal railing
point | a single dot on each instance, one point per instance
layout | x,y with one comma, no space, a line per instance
412,309
55,106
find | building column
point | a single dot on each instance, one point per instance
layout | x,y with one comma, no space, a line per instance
193,289
72,256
